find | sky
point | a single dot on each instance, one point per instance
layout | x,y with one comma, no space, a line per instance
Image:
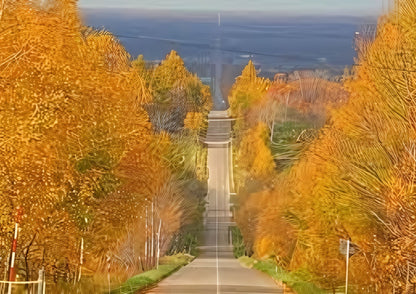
342,7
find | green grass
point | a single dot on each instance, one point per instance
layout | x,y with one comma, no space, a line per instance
288,132
169,265
239,249
285,148
297,281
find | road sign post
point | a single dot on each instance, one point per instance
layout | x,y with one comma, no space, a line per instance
348,249
347,257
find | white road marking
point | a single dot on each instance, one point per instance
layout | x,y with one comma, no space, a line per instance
216,233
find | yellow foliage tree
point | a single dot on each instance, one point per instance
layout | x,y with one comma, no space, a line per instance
175,92
254,155
247,91
75,145
194,120
356,180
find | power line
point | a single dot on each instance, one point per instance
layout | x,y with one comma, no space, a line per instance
385,68
211,47
181,42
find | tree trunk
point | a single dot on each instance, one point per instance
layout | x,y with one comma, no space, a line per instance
287,104
27,257
146,257
81,257
158,244
2,8
153,241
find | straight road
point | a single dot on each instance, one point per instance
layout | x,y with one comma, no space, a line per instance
216,270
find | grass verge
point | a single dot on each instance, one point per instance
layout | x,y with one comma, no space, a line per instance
239,248
168,265
297,281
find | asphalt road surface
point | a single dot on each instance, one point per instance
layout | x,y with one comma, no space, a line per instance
216,270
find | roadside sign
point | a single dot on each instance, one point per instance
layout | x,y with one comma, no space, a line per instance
344,250
347,249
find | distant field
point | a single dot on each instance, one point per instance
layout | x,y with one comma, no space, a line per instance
274,43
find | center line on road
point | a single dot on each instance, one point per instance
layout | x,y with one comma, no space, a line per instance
216,233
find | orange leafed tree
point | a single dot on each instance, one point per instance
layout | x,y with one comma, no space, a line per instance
254,155
356,180
75,146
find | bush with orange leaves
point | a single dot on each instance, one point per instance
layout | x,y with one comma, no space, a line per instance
194,121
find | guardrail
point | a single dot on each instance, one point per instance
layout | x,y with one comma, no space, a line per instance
24,287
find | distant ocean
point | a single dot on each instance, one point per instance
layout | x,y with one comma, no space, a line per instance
275,43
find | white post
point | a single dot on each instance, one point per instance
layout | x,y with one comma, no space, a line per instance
153,241
41,282
146,241
108,274
12,271
81,257
346,270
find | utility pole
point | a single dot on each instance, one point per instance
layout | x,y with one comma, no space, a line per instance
217,70
347,256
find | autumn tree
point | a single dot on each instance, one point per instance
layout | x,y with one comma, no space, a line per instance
77,150
355,180
247,91
175,92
